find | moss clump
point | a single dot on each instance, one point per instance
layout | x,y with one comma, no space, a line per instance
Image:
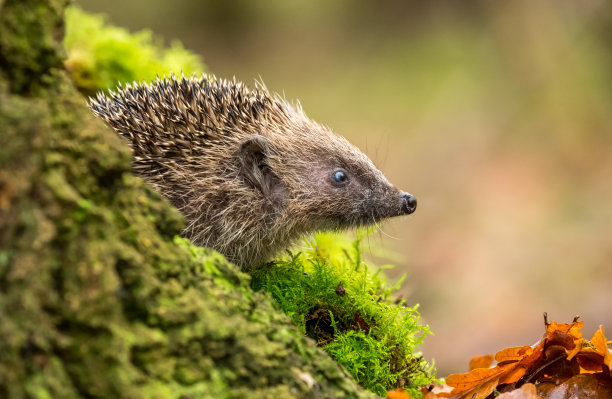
333,296
101,55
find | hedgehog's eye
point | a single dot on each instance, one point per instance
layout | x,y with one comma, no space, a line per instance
339,177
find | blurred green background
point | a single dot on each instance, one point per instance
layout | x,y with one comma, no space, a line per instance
496,115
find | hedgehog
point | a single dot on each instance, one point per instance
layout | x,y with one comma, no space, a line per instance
249,171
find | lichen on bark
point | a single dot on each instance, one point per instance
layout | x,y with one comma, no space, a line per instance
97,297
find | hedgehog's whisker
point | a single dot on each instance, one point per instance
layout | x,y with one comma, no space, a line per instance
381,230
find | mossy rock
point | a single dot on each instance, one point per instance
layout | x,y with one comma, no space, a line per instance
97,297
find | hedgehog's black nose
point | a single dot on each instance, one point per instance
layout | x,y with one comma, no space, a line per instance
409,203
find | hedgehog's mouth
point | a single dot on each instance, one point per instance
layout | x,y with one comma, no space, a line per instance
377,209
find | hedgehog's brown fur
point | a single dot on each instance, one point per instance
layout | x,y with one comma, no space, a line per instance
250,172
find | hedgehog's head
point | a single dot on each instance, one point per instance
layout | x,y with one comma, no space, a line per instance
319,179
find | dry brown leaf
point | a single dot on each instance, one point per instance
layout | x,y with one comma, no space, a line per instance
481,362
600,342
514,374
512,365
562,360
478,383
560,341
398,394
482,391
463,382
513,354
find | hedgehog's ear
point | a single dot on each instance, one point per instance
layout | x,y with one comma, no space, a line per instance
253,156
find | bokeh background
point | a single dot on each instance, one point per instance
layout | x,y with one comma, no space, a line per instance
496,115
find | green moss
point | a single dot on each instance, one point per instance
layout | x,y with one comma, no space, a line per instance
30,51
335,297
101,55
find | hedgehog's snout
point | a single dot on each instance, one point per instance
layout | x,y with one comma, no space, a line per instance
409,203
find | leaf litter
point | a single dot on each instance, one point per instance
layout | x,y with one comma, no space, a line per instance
562,364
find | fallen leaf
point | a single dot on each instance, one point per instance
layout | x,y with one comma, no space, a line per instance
562,364
515,354
481,362
398,394
600,342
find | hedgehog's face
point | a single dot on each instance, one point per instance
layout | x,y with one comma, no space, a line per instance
330,186
351,191
334,185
